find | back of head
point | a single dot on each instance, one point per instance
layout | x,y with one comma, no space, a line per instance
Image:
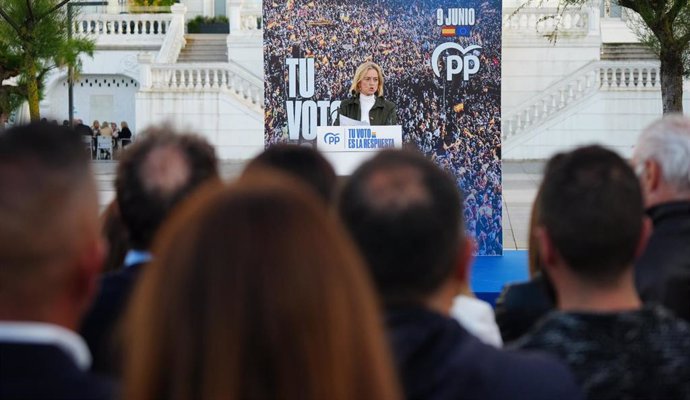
256,293
590,205
667,141
48,212
155,173
305,163
405,215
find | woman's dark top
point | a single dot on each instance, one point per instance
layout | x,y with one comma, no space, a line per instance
521,305
125,133
382,113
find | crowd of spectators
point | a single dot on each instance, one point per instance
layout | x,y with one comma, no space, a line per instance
279,284
455,123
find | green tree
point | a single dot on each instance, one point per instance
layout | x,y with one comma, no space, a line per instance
667,27
10,96
36,32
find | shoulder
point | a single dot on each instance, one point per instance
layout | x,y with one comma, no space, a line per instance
385,103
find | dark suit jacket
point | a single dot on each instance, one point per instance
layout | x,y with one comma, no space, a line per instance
100,328
439,360
521,305
662,273
45,372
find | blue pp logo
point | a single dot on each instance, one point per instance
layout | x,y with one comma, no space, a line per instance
331,138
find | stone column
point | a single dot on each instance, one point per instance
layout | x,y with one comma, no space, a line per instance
234,11
113,7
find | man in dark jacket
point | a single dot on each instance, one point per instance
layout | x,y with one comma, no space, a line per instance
405,215
50,257
662,161
154,176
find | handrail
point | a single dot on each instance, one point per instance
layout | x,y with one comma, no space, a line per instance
543,20
174,41
594,76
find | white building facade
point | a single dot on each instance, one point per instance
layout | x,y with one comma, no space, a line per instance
148,71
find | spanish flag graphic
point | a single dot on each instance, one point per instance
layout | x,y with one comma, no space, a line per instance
447,31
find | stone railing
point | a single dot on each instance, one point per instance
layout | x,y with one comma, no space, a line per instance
543,21
123,30
210,76
174,40
251,18
593,77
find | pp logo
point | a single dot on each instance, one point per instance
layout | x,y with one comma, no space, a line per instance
468,64
331,138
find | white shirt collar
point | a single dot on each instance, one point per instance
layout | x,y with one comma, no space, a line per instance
47,334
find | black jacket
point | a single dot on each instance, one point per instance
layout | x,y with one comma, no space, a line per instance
662,273
521,305
45,372
382,113
439,360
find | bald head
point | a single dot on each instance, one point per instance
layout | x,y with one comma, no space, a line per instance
48,209
155,174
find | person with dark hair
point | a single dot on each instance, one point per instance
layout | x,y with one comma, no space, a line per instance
154,175
305,163
591,227
115,233
50,258
406,216
662,160
256,293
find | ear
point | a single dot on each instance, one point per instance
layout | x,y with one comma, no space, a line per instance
89,265
466,249
645,233
652,175
547,251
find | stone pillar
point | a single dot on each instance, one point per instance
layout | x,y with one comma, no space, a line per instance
113,7
234,11
593,17
145,78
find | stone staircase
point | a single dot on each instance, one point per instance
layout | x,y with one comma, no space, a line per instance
626,51
204,48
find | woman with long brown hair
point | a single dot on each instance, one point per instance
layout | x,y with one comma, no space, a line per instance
256,293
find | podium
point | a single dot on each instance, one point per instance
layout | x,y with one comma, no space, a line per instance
346,147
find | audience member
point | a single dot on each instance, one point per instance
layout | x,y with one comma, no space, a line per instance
521,305
406,216
50,256
106,130
82,129
662,158
256,293
153,176
591,227
125,135
96,128
477,316
303,162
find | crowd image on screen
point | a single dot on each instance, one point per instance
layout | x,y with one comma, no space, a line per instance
455,123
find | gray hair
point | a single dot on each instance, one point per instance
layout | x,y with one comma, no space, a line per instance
667,141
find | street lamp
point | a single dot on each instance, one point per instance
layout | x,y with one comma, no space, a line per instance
70,69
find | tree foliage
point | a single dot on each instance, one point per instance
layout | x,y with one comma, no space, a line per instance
35,32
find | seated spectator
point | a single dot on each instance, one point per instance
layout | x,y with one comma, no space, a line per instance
476,316
521,305
106,130
96,128
662,158
82,129
590,229
50,257
154,175
305,163
406,216
256,293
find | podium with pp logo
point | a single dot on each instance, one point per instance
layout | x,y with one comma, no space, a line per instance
346,147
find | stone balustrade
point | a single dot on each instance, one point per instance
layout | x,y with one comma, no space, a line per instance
595,76
123,30
543,20
208,77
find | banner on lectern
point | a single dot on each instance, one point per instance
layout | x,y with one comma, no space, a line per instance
442,68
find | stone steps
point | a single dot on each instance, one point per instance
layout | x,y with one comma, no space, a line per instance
204,48
626,51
